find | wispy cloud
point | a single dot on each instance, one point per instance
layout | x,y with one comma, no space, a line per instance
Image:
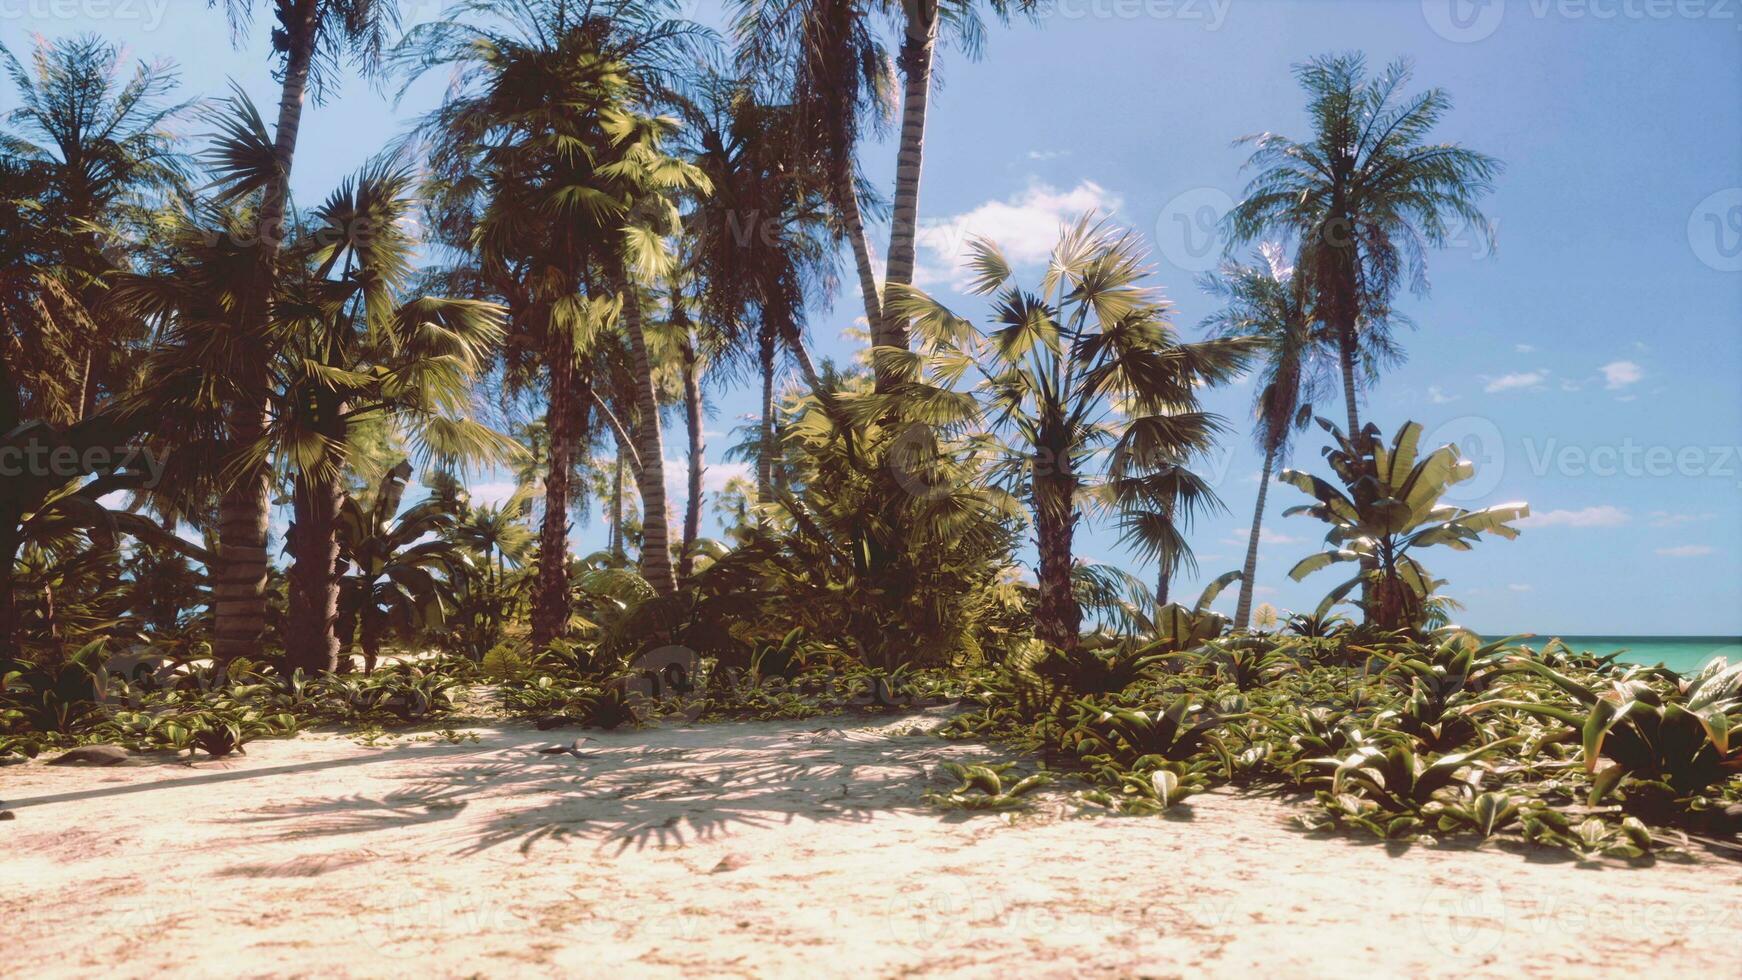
1687,551
1620,374
1047,154
1602,515
1518,587
1664,518
1439,397
1516,381
1524,348
1024,227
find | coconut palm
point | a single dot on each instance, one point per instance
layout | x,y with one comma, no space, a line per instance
1360,201
311,39
86,155
351,352
824,60
1087,392
760,241
1263,303
545,131
921,22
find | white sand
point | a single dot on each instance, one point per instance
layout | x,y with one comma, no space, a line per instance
764,849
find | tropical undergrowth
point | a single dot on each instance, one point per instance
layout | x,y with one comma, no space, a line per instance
1436,738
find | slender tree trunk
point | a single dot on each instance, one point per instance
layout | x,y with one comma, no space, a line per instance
239,578
1165,565
847,204
1346,352
692,396
650,446
918,47
371,640
1058,619
1243,612
311,640
617,505
11,640
765,427
550,602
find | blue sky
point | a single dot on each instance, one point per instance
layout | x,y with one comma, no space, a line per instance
1590,363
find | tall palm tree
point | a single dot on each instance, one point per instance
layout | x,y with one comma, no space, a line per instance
350,354
759,241
1086,389
1263,303
1360,201
546,131
825,60
921,22
310,40
87,155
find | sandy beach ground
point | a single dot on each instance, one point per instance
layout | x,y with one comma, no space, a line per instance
767,849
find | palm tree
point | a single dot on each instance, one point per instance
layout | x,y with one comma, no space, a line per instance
921,22
311,39
87,156
1083,374
349,355
1263,303
1360,201
396,578
760,241
823,59
573,192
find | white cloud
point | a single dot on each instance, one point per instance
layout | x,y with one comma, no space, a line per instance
1047,154
1663,518
1620,374
715,476
1686,551
1602,515
1515,381
1024,227
1438,397
490,494
1518,587
1524,348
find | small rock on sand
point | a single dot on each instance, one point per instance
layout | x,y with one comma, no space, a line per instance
92,755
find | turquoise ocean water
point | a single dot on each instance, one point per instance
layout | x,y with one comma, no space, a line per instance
1679,653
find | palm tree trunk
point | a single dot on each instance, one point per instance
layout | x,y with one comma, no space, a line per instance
617,505
650,446
1243,612
918,46
1346,355
847,204
765,428
550,601
1058,619
11,643
692,397
239,580
311,641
